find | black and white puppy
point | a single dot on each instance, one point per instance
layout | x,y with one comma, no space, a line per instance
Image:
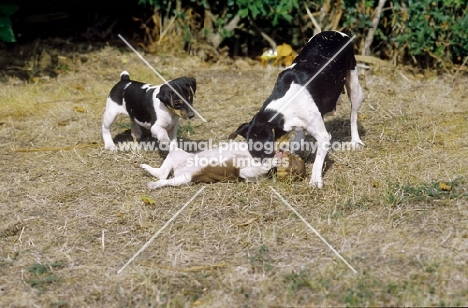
157,108
303,94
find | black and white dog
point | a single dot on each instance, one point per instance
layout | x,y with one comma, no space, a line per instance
157,108
303,94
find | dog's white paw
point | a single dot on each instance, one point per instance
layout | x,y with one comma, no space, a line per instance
357,144
154,185
316,183
111,148
156,172
164,144
146,167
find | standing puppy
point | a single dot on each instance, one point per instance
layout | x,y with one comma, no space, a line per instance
303,94
157,108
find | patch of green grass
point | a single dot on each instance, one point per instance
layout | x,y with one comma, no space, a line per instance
43,276
262,261
439,190
62,67
296,281
348,207
360,295
185,130
123,126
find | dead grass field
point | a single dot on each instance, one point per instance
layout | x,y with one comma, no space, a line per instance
71,214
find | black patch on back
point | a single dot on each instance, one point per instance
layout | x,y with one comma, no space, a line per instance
327,86
139,102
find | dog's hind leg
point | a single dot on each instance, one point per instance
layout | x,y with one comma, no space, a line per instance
109,116
355,95
136,131
175,158
156,172
297,143
162,172
318,130
175,181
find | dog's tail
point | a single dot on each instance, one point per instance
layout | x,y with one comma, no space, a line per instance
124,75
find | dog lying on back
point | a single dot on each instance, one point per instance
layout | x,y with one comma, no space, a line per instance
230,162
304,92
157,108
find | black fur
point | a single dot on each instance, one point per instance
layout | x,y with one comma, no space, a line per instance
186,87
325,88
138,97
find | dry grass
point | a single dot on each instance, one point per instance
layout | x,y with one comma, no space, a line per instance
72,216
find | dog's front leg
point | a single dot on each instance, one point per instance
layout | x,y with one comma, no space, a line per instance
172,133
319,132
298,141
161,134
109,116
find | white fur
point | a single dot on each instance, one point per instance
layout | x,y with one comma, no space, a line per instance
302,114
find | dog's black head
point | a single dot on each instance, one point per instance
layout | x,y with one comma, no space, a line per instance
186,87
261,133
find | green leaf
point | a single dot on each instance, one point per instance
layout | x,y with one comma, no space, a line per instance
274,22
287,17
243,12
255,11
7,35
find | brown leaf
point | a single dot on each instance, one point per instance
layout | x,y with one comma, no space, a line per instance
147,200
78,87
64,122
248,222
80,109
445,186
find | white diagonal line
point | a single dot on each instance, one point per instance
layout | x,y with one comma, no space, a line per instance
315,231
160,76
159,231
313,77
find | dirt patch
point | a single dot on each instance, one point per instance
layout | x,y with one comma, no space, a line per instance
72,214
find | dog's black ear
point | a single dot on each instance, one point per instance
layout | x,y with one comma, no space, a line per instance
192,83
241,130
164,95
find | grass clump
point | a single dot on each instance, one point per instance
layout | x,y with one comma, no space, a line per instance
261,261
43,275
299,280
185,130
439,190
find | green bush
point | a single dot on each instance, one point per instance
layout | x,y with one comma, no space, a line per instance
425,33
432,33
